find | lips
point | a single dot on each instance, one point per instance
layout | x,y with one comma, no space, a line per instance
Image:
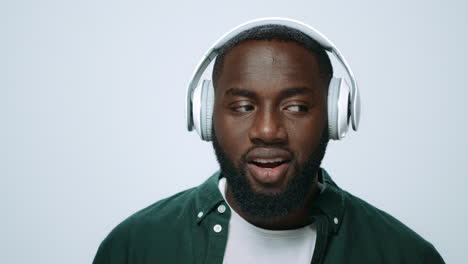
268,165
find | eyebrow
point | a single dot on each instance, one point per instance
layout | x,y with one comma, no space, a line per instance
296,91
241,92
284,93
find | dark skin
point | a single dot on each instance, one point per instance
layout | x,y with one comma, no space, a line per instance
271,93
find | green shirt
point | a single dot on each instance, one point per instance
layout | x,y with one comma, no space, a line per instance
188,228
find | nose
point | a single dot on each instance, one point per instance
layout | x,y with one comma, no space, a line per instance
267,128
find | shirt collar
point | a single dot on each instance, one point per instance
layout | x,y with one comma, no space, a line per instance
330,202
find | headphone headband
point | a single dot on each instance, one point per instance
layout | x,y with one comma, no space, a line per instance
291,23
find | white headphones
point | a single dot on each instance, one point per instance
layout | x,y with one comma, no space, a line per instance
343,103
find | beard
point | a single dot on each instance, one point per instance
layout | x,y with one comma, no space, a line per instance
268,206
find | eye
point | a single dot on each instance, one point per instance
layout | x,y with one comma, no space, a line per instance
242,108
297,108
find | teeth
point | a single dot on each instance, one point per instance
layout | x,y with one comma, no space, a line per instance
268,160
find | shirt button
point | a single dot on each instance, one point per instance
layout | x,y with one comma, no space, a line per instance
217,228
200,214
221,208
335,220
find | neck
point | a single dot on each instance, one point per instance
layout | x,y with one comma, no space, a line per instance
296,219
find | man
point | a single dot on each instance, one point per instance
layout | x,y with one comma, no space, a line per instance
270,202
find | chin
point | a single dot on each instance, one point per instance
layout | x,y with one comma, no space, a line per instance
267,197
270,187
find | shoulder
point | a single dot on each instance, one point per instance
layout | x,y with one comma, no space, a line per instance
173,207
163,212
376,218
159,231
153,225
384,231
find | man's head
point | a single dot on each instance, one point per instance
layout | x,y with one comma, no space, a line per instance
270,117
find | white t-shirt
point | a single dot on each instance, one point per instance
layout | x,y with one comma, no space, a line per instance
247,243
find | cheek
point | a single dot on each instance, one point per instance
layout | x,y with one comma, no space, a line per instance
305,136
232,135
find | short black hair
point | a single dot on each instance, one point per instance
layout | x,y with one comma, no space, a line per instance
277,33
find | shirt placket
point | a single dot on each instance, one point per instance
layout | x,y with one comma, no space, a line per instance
217,225
322,238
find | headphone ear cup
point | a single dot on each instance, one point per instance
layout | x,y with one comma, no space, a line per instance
206,111
338,108
196,107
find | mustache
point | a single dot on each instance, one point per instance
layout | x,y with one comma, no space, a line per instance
281,146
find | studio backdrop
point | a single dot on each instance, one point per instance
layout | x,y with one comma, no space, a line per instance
92,118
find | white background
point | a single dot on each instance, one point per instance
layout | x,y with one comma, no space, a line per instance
92,122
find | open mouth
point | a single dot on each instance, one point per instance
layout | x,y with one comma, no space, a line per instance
269,172
268,164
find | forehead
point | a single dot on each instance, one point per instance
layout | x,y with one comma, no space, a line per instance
269,63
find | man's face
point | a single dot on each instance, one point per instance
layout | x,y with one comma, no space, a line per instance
270,125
